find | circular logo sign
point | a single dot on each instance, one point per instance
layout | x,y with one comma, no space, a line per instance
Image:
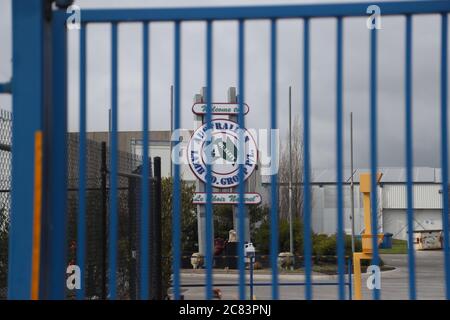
220,148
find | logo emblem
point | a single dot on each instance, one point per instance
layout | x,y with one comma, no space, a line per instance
220,149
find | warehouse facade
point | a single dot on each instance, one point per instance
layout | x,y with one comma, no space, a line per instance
391,195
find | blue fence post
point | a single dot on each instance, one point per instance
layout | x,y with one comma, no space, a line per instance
306,166
373,149
113,201
444,151
145,213
28,100
273,149
209,209
56,162
409,157
81,219
241,188
176,191
339,164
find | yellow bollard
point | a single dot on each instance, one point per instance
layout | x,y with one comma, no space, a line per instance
357,275
367,236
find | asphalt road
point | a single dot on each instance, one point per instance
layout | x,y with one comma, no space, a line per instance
394,283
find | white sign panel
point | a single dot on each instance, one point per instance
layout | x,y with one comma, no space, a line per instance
227,198
219,108
222,153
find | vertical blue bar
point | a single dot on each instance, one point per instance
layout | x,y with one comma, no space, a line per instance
409,158
373,149
274,156
176,216
81,223
444,151
57,172
241,187
113,215
145,219
209,213
339,164
306,166
27,103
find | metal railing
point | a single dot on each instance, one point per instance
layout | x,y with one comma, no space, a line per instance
57,193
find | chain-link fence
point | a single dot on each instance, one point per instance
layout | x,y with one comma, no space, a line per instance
5,195
97,213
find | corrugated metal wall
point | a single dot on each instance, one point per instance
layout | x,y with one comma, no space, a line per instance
324,211
426,196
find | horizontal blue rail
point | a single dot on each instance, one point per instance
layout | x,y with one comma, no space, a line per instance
263,12
263,284
5,87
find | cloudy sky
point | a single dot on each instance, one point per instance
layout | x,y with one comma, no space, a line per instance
426,57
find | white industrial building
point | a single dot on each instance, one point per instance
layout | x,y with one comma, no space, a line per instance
391,201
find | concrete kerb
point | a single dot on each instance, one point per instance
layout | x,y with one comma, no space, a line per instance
190,273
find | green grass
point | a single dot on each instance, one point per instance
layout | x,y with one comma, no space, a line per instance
398,247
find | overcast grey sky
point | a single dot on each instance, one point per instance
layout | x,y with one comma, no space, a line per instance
426,57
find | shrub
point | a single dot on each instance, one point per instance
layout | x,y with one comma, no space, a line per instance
322,244
262,237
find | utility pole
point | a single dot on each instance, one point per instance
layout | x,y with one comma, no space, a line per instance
352,187
291,221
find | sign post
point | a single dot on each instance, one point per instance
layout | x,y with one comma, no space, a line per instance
200,186
222,150
232,97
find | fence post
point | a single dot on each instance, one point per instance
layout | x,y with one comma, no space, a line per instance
133,234
28,100
156,260
104,173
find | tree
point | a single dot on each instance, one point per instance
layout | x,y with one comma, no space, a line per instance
259,215
223,220
297,173
189,242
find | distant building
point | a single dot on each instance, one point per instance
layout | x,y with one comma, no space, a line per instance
391,196
159,146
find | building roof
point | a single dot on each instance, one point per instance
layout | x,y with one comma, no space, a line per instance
390,175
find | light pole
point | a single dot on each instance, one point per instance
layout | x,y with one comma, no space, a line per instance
291,230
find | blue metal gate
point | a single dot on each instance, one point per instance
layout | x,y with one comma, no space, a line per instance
39,88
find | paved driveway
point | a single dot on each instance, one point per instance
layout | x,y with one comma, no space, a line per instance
429,276
394,284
